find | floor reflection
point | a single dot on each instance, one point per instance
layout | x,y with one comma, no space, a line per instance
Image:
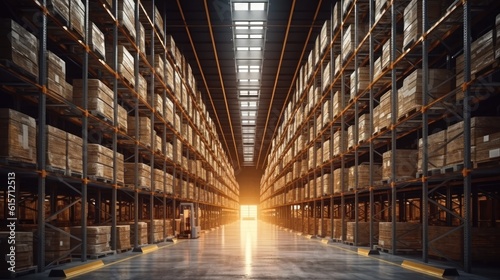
248,241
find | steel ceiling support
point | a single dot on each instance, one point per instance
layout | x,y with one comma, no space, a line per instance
467,139
195,53
221,82
425,133
299,63
41,143
115,135
290,16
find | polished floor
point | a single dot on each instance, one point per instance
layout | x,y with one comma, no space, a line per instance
251,250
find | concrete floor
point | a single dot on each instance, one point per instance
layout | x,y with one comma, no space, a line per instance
251,250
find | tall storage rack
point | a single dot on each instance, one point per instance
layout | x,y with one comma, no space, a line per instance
182,145
343,163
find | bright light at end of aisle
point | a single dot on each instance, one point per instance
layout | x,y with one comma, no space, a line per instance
248,212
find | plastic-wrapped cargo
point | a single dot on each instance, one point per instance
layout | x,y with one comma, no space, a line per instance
483,130
56,148
99,96
126,16
364,175
77,16
338,183
144,129
74,161
19,47
18,140
410,94
406,164
144,175
413,19
98,238
100,163
96,40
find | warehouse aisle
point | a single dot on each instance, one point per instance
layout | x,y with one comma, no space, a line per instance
251,250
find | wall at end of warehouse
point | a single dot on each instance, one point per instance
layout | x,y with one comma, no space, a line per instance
249,181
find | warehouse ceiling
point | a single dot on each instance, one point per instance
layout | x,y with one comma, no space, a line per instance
203,31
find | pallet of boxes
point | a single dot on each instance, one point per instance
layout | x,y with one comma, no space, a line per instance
142,232
98,238
18,142
18,257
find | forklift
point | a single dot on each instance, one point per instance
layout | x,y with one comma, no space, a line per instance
187,222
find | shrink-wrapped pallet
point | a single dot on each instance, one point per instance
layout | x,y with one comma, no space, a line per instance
487,149
100,163
408,236
60,8
142,233
144,129
158,103
56,154
56,77
406,164
23,250
77,16
339,142
480,127
325,36
122,119
158,226
159,180
125,62
360,79
122,237
413,19
126,16
98,238
74,160
18,140
364,128
387,50
384,112
482,56
99,98
364,175
363,232
18,46
338,103
410,94
143,175
438,154
340,184
97,41
159,65
349,40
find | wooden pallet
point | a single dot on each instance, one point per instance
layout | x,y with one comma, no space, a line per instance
430,172
19,70
64,260
96,255
123,250
19,272
100,179
101,116
486,163
55,169
452,168
17,162
72,173
399,251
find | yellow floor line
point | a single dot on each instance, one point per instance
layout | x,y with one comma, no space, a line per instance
125,259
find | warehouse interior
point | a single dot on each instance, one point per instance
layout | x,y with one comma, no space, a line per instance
299,139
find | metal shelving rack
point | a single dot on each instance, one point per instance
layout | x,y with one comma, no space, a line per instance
118,202
389,201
